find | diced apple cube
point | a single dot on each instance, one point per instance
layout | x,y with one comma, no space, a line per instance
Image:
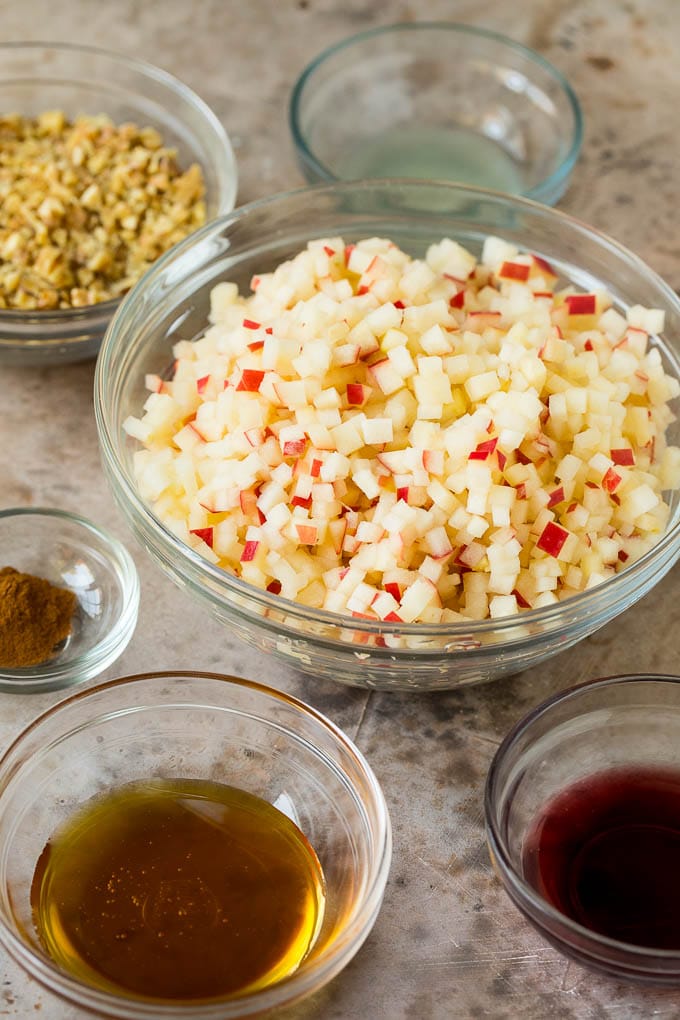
347,437
478,387
435,341
222,296
450,258
420,594
366,481
386,376
402,362
503,605
638,500
496,251
384,318
649,319
376,431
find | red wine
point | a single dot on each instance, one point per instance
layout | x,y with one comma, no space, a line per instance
606,852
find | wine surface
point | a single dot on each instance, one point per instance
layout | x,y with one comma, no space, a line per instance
606,852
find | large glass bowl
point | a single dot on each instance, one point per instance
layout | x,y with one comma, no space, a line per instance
207,727
40,76
437,100
171,303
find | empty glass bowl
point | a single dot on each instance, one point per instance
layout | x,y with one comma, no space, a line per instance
72,553
437,100
597,735
40,76
195,726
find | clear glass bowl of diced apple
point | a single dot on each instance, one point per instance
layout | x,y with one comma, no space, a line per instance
400,434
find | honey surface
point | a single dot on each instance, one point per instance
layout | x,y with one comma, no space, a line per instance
178,890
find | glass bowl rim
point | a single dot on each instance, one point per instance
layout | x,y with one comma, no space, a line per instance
542,908
227,173
34,679
590,597
558,175
299,984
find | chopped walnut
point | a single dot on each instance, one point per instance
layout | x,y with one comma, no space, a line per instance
86,206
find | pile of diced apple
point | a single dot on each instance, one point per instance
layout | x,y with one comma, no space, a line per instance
409,440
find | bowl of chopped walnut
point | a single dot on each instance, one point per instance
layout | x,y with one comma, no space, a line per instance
105,163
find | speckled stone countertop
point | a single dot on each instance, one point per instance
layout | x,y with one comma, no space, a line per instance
447,942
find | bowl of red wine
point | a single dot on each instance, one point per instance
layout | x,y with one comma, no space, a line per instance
583,822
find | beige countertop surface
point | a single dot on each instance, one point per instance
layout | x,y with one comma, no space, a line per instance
447,943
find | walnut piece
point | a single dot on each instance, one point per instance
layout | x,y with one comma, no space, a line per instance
86,206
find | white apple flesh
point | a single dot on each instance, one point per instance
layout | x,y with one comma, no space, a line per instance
414,440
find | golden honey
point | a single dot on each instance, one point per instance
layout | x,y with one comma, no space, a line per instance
178,890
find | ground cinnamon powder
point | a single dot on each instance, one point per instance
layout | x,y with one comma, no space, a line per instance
35,616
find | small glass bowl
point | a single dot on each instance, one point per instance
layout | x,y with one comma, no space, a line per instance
73,553
437,101
40,76
619,722
197,726
172,303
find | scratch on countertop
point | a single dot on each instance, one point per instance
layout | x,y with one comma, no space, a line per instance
483,738
571,978
360,721
550,959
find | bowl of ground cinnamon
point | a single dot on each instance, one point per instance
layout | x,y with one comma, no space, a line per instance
69,595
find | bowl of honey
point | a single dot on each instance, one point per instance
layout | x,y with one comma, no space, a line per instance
583,823
177,844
